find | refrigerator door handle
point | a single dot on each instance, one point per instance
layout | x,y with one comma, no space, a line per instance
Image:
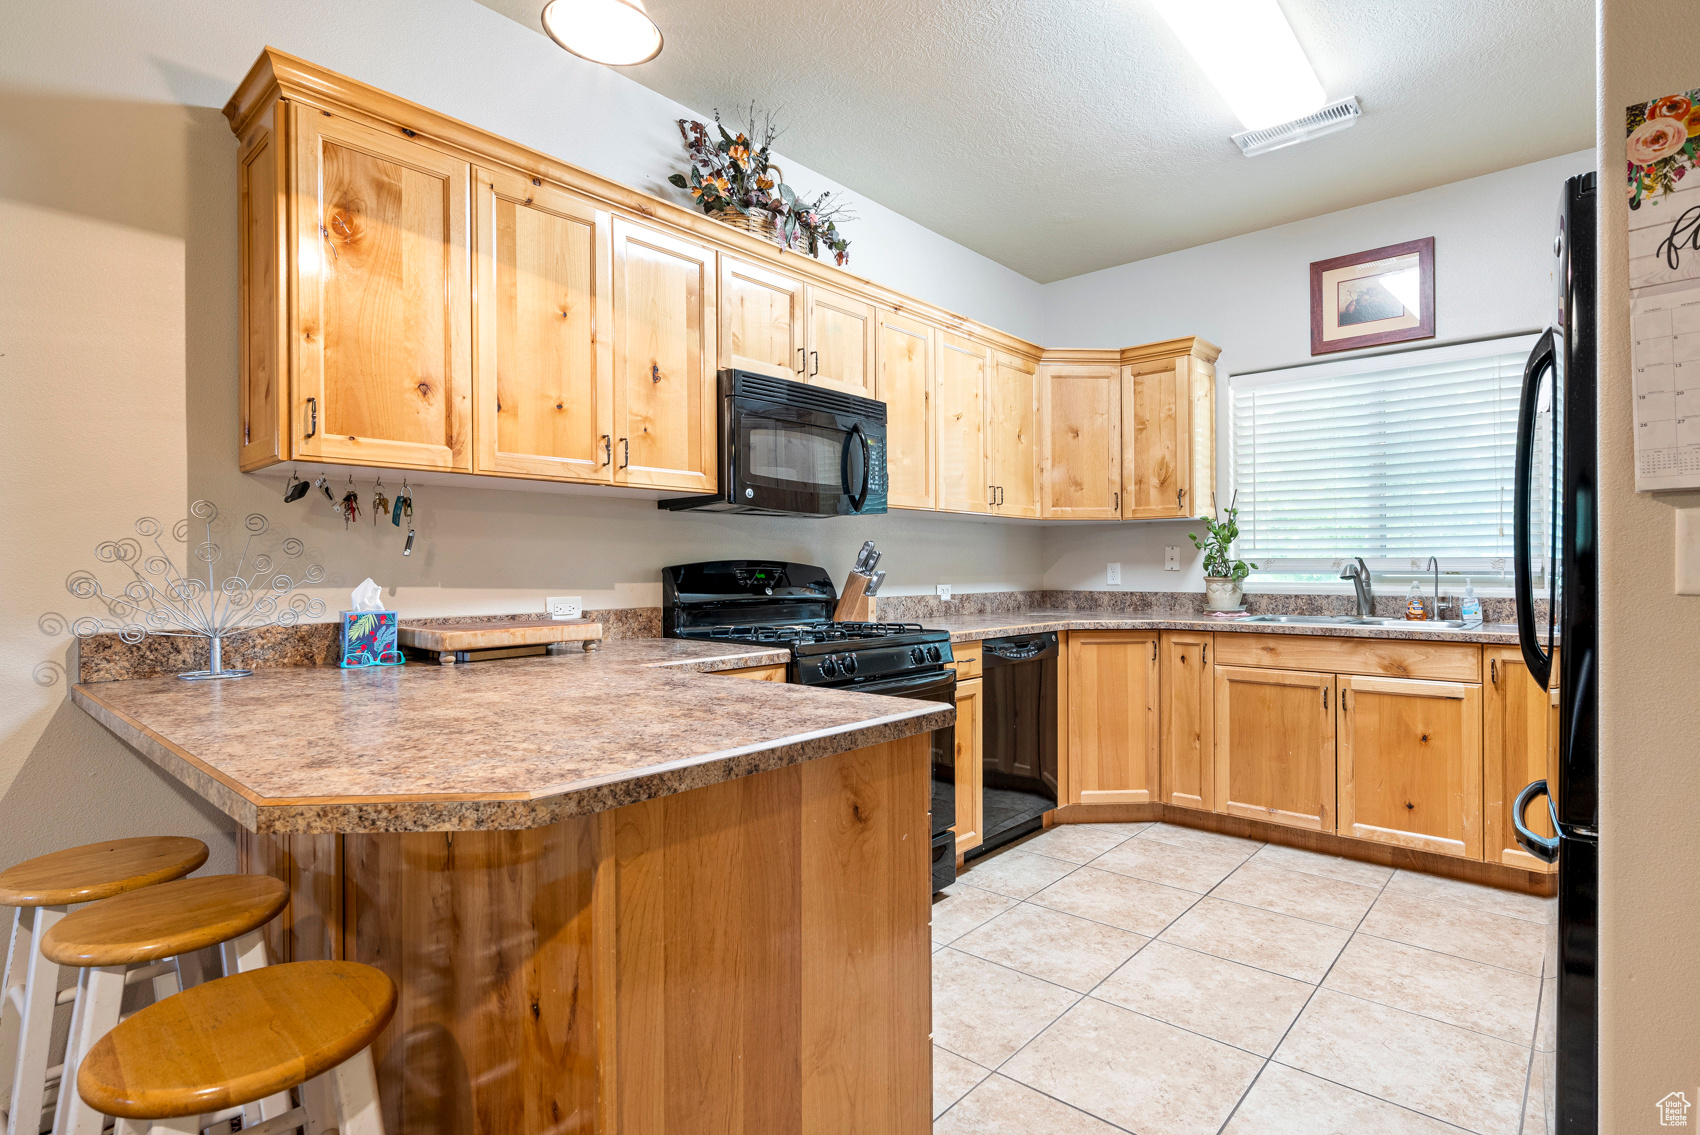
1541,847
1542,358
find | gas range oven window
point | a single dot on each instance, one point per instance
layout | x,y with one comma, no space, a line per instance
792,456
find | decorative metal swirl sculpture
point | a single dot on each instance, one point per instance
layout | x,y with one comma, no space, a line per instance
160,598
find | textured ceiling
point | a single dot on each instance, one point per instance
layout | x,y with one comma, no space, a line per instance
1062,136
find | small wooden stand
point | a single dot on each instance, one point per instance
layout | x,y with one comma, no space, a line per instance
855,605
479,642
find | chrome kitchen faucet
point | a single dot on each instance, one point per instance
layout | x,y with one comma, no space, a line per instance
1358,572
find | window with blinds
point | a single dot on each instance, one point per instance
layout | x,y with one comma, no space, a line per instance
1393,458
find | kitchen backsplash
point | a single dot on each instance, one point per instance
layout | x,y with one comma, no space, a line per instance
920,608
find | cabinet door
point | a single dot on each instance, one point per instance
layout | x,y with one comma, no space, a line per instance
906,351
262,257
959,412
664,324
761,314
1274,737
383,299
1081,411
1515,737
1157,426
840,341
1012,450
544,381
1112,717
970,818
1411,763
1187,714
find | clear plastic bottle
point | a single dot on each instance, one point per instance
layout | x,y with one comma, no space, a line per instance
1415,609
1470,607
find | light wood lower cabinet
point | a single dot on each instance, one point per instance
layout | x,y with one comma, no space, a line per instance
757,673
1411,763
1274,740
1186,719
1112,717
761,319
1516,737
959,414
905,354
970,773
664,352
544,379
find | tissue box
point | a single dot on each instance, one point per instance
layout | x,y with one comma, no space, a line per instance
368,638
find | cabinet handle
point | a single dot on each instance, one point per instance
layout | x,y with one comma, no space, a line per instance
626,452
1493,670
802,361
1117,506
313,410
815,355
1153,650
655,372
607,450
1180,498
1000,496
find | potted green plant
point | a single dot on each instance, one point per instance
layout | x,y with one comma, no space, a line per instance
1223,575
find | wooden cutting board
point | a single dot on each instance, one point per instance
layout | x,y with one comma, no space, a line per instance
497,634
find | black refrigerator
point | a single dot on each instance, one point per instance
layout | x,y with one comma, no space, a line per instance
1554,555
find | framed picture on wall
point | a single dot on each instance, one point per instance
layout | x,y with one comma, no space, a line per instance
1385,295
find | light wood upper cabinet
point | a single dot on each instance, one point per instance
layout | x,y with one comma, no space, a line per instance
383,298
840,341
761,319
664,349
1187,714
1012,451
1274,739
959,414
1411,763
543,369
1112,717
1081,458
1168,429
970,775
906,353
1515,741
262,401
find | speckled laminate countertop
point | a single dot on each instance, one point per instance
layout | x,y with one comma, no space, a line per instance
511,744
973,628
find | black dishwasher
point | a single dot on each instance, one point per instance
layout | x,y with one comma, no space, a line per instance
1019,738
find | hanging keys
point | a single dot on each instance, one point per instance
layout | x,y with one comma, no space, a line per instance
323,484
350,505
401,498
295,490
380,503
404,508
407,549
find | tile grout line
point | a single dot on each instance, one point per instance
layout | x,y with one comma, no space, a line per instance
1425,1016
1390,1103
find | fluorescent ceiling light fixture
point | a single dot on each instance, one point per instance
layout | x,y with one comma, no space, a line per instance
616,32
1248,50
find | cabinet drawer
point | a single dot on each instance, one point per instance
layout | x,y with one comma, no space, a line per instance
967,664
759,673
1387,658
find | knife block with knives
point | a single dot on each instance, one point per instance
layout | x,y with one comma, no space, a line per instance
856,598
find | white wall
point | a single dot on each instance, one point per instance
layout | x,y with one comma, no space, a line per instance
1250,295
1649,656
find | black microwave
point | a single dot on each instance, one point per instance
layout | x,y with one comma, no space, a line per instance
789,449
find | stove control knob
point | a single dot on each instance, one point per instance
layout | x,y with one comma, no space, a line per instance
917,655
828,667
848,662
933,654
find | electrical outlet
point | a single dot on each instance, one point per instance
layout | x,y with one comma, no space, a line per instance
944,591
1113,574
564,606
1171,559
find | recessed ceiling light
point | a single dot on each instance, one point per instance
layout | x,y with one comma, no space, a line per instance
1248,50
616,32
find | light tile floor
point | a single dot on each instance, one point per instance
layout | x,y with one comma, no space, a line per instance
1155,979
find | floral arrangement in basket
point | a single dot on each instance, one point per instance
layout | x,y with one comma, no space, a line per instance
1664,139
733,179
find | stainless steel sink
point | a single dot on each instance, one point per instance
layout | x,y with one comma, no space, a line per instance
1357,621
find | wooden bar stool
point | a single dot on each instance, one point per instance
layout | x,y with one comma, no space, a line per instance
181,1064
42,889
108,939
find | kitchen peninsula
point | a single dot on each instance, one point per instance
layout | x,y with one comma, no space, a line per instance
618,890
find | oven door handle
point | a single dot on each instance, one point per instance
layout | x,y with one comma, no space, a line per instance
857,498
909,687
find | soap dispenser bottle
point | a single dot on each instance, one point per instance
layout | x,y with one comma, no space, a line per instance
1470,607
1414,607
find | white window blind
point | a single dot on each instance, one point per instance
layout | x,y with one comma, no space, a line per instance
1391,458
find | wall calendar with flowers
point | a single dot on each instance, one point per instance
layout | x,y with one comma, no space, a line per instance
1664,289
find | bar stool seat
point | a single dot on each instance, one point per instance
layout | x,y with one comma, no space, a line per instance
239,1039
99,870
166,920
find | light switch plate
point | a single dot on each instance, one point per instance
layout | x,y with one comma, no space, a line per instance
564,606
944,591
1171,559
1113,574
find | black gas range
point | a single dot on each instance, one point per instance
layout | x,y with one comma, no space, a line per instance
775,603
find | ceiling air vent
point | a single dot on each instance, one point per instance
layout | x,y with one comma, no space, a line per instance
1334,116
